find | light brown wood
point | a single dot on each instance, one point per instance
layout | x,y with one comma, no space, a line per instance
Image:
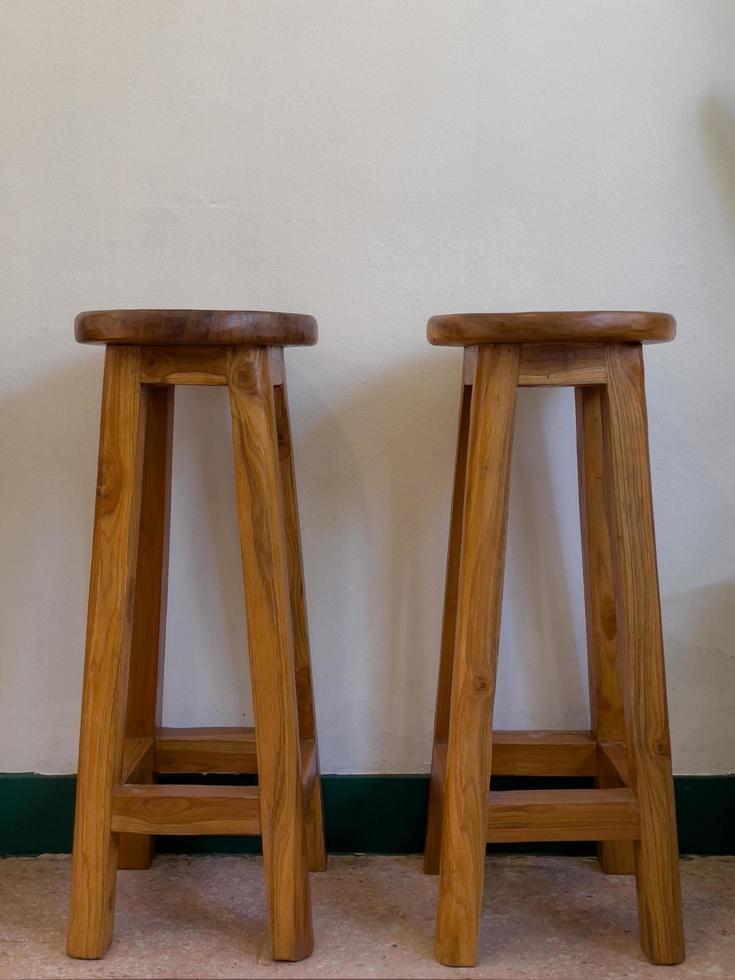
184,365
309,765
479,596
575,327
432,850
111,596
631,810
562,814
544,753
151,587
137,760
123,746
176,328
614,756
186,810
222,750
271,647
316,851
606,699
545,365
641,650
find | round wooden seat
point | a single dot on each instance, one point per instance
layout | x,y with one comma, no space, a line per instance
467,329
164,328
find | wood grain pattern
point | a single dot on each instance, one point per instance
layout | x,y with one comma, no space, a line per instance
432,849
221,750
544,753
163,328
137,760
606,699
613,756
145,689
109,629
557,365
641,650
577,327
315,846
475,655
186,810
184,365
562,814
270,640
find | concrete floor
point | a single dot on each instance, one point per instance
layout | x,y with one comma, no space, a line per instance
203,917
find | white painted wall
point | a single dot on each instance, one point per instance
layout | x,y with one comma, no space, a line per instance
371,163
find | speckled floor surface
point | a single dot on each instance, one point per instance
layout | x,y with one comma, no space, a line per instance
202,917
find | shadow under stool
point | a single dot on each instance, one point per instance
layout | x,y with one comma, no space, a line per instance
122,746
630,812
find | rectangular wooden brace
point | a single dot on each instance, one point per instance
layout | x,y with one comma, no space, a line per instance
226,750
186,810
184,365
544,753
562,815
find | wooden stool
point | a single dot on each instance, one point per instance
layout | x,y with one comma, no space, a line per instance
122,746
631,812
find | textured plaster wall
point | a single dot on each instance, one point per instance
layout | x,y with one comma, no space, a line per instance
371,163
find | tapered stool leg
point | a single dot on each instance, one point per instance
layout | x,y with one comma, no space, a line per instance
145,686
641,649
271,648
432,850
315,847
112,580
606,700
464,832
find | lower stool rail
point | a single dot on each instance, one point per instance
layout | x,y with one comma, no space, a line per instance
514,816
186,810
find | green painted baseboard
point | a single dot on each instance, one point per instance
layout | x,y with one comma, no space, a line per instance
371,814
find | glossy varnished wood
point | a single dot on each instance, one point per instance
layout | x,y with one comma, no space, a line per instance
109,628
145,686
184,365
224,750
638,616
606,699
544,753
271,646
432,850
562,815
631,810
163,328
315,844
123,747
479,594
186,810
608,327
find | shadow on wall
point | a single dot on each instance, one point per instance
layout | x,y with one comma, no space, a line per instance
717,126
699,630
374,470
48,444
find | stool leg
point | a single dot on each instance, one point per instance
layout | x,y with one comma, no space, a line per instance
641,649
145,686
606,700
112,583
271,649
432,849
315,848
480,587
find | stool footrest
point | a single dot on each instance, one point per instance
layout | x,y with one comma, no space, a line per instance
225,750
544,753
186,810
562,815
